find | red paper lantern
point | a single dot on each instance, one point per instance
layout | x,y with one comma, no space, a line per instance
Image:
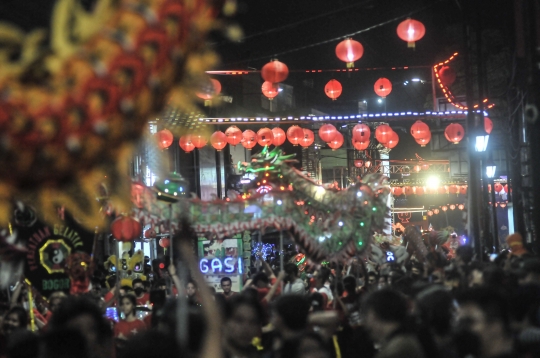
234,135
360,145
164,242
308,138
461,206
417,168
453,189
337,142
383,87
275,71
425,166
327,132
420,130
430,213
488,125
411,31
454,133
265,136
397,191
441,190
368,164
249,139
218,140
419,190
359,163
447,75
165,138
383,133
295,135
349,51
506,188
361,133
186,144
463,189
126,228
333,89
270,90
444,208
198,140
452,206
408,190
279,136
392,141
209,89
436,211
498,187
423,141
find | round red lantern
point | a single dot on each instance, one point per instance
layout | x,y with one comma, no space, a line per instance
441,190
308,138
461,206
447,75
419,190
392,141
349,51
360,145
150,233
423,141
454,133
359,163
453,189
275,71
279,136
295,135
420,130
397,191
209,89
408,190
417,168
383,133
506,188
498,187
463,189
164,242
198,140
333,89
265,136
411,31
452,206
186,144
361,132
270,90
425,166
444,208
234,135
126,228
327,132
337,142
249,139
488,125
436,211
430,213
165,138
383,87
218,140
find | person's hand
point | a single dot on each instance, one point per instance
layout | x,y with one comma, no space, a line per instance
172,270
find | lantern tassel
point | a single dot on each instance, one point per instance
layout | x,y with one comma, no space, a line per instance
411,44
350,64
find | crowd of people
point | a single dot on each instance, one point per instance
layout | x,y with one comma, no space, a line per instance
465,308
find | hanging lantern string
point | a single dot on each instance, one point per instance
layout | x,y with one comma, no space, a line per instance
356,69
397,18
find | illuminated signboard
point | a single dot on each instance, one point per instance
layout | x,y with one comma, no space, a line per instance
226,265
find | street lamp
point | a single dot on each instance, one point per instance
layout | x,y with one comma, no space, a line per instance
490,169
481,143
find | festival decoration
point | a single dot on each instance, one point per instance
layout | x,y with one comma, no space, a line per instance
295,134
128,268
392,141
275,71
430,213
265,136
360,145
209,89
308,138
74,128
80,268
359,163
199,140
165,138
498,187
337,142
441,190
361,133
411,31
420,130
333,89
397,191
327,132
423,141
125,228
454,133
164,242
506,188
234,135
488,125
382,87
463,189
383,133
218,140
279,136
447,75
408,190
444,208
270,90
186,144
349,51
249,139
436,211
404,217
425,166
419,190
452,206
171,188
461,206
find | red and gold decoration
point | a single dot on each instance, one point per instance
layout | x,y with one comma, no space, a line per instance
361,133
275,71
383,133
333,89
199,140
308,138
382,87
218,140
279,136
165,138
295,134
186,144
265,136
270,90
454,133
234,135
349,51
411,31
360,145
327,132
126,228
392,141
249,139
337,142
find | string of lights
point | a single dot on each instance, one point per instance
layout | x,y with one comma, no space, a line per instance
356,69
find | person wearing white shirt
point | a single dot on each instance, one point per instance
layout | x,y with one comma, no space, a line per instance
293,284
